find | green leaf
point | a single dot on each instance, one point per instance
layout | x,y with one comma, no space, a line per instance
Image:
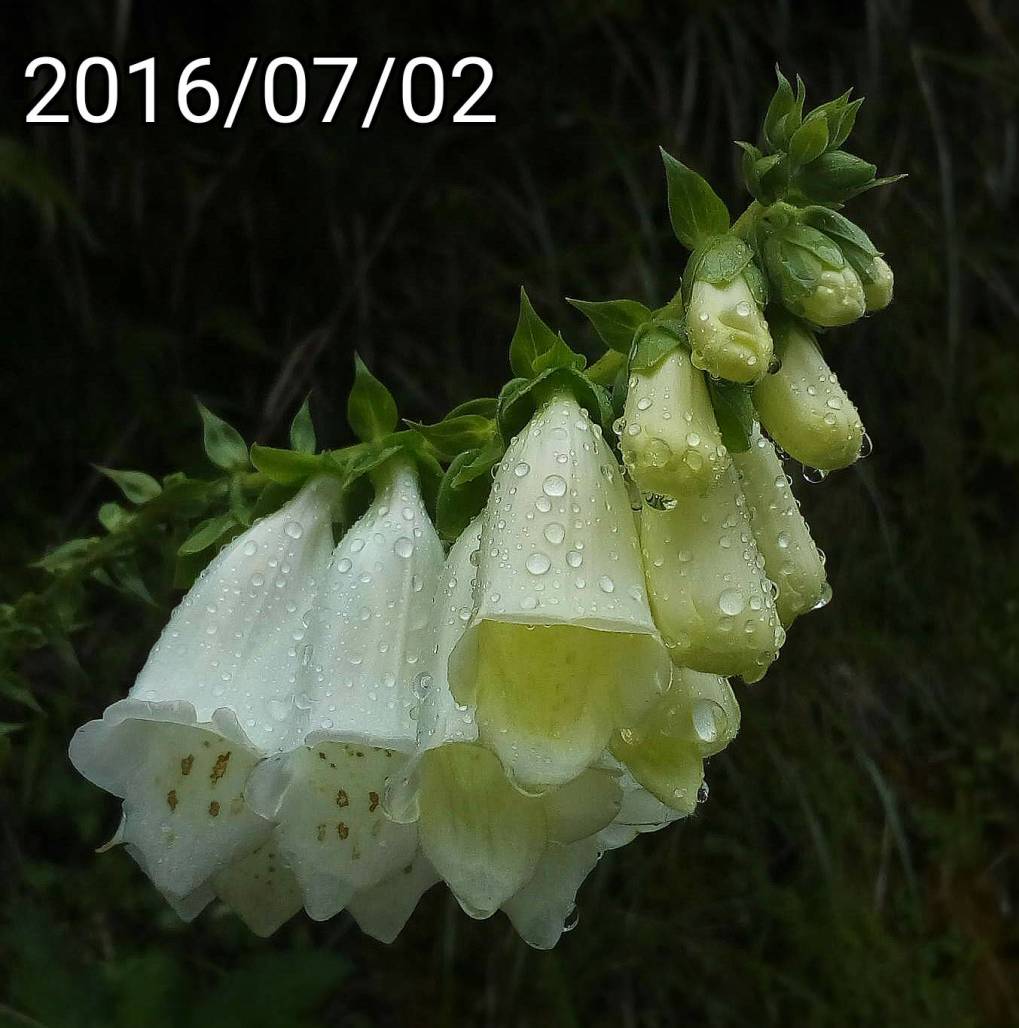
615,321
208,533
285,466
15,689
485,406
734,412
458,504
531,338
652,344
696,210
113,517
224,445
371,409
455,434
720,260
375,456
480,463
752,156
68,554
137,486
128,580
834,177
302,430
810,140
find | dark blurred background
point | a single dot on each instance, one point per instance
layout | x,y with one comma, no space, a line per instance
856,863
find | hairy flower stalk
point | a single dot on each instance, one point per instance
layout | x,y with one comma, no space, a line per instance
206,705
368,638
803,407
665,751
791,559
561,648
707,587
729,337
669,438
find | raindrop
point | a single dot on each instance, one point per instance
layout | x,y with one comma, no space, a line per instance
866,447
294,529
257,580
522,469
783,540
538,563
813,475
403,547
250,548
572,920
702,793
554,485
555,533
606,584
574,559
731,602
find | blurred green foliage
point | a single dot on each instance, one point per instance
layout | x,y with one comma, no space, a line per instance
857,861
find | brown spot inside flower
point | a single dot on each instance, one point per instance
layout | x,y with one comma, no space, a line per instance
342,799
187,763
214,808
342,830
373,802
320,833
171,799
219,768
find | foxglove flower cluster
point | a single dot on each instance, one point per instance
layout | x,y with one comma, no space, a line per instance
499,671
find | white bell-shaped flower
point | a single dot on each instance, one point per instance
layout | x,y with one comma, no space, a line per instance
213,697
665,752
729,337
561,649
483,836
369,637
707,586
791,559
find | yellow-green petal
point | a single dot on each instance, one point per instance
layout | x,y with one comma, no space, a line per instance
729,337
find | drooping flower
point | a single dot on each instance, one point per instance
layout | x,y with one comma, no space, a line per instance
729,337
211,701
561,648
804,408
665,751
483,836
791,559
368,635
670,440
706,584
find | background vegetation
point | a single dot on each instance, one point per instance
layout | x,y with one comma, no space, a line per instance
857,861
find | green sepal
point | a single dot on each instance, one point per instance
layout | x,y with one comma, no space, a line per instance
810,140
371,409
287,467
224,445
517,407
137,486
479,463
696,210
854,243
654,342
833,178
113,517
302,429
615,321
271,497
734,412
718,261
456,433
484,406
757,283
67,554
459,502
784,112
840,114
531,338
207,533
559,355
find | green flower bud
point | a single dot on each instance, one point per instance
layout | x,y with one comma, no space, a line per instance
814,280
706,584
729,337
665,751
804,408
791,560
669,437
878,291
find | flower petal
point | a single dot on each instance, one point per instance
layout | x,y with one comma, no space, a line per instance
231,641
729,337
583,807
791,559
369,629
669,437
441,718
331,828
182,783
260,889
383,910
708,591
639,812
482,836
541,909
558,580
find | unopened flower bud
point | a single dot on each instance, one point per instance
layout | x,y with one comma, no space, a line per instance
878,291
791,560
670,440
707,586
803,407
729,337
